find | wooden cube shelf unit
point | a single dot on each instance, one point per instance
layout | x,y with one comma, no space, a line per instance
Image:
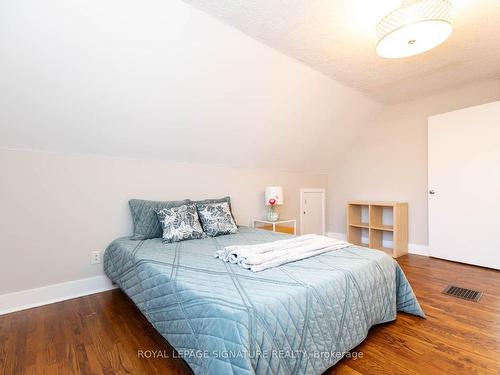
366,217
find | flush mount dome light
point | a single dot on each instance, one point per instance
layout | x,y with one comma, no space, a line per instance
415,27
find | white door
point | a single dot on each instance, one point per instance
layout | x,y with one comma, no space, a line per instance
464,185
312,215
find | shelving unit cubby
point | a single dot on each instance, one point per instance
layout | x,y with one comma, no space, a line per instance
375,224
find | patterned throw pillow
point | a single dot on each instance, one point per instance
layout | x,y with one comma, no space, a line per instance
216,219
215,200
180,223
146,224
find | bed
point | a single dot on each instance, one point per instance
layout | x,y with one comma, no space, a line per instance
299,318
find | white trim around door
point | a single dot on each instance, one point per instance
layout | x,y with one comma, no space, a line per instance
313,190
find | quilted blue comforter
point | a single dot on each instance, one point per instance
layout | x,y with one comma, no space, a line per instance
299,318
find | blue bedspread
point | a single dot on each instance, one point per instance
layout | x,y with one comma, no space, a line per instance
295,319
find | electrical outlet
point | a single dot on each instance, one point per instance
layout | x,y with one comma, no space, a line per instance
95,257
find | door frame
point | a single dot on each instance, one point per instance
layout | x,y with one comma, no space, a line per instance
323,216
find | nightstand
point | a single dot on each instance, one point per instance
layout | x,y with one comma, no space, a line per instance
283,225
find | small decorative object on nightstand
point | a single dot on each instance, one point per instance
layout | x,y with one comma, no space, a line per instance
274,197
283,225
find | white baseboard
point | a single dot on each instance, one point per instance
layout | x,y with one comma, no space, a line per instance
26,299
418,249
412,248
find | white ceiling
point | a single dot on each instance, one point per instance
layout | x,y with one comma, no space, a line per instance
337,38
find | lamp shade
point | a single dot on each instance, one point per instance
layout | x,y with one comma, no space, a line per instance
274,192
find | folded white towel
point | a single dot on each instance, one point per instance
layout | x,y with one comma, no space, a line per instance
231,253
307,245
295,257
272,254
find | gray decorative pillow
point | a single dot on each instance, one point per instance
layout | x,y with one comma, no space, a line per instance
216,200
180,223
216,219
146,224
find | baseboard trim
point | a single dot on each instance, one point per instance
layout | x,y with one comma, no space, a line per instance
27,299
418,249
412,248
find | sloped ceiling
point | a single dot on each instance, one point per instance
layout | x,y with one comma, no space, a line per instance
337,38
162,80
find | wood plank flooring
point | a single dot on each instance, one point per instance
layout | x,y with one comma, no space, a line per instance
102,333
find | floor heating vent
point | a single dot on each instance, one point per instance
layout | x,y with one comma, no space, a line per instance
463,293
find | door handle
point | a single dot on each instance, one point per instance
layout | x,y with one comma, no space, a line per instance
432,192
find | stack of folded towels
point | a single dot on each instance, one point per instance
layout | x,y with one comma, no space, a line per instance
272,254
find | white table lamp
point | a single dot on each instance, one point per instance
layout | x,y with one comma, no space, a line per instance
273,198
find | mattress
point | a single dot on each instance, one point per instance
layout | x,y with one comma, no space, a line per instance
299,318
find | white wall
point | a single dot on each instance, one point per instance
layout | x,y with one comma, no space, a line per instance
162,80
151,80
388,161
57,208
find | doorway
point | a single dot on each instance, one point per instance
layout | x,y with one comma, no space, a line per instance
312,211
464,185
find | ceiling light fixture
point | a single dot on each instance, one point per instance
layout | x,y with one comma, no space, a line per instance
415,27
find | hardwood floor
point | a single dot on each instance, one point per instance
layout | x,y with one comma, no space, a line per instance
102,333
